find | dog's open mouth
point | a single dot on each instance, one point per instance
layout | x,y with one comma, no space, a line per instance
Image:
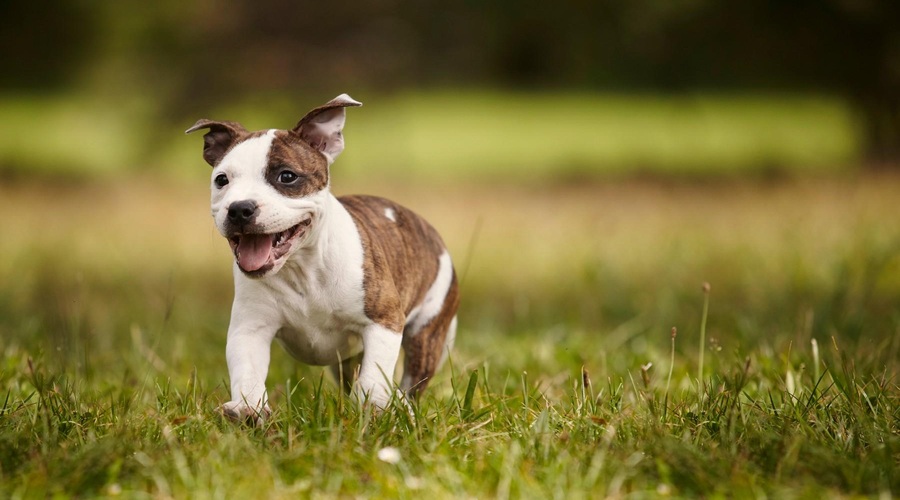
257,253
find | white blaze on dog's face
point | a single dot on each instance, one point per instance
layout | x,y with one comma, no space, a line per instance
267,192
268,187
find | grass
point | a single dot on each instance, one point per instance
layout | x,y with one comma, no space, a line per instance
566,381
487,435
434,136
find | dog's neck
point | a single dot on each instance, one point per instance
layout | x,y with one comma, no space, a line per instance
329,240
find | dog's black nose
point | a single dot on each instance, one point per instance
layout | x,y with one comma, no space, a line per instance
242,212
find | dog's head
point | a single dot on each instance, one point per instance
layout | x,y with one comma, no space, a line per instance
269,187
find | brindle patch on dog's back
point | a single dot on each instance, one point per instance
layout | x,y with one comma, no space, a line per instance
401,256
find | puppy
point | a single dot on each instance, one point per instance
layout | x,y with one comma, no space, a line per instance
346,282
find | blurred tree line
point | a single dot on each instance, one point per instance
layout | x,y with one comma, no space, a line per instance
187,55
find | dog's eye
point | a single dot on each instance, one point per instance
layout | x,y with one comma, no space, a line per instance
221,180
287,177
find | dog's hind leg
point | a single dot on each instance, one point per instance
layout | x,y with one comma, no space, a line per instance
346,371
428,347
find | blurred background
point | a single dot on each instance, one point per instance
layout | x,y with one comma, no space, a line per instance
590,164
628,86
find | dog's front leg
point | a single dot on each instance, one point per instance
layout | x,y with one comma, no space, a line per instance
247,352
381,347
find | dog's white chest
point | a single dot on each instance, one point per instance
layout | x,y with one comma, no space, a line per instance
316,302
321,323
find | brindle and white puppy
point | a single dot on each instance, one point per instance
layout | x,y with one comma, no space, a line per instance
345,282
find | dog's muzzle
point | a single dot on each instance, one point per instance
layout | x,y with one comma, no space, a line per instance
257,253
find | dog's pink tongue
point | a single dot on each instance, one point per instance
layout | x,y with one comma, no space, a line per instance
253,251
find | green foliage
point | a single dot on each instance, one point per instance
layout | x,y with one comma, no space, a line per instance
68,136
466,135
187,57
460,136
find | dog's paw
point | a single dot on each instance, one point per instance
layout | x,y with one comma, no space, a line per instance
240,411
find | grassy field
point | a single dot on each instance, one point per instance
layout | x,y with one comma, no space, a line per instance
566,381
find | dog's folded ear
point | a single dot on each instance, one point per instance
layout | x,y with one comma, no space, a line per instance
321,128
219,139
